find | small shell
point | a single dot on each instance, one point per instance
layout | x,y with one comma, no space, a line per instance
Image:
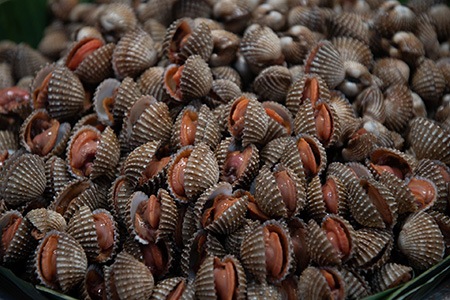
359,145
151,82
325,60
438,13
68,261
406,46
220,278
118,195
115,20
222,91
400,190
398,107
429,83
93,284
313,284
311,17
392,17
435,172
184,38
26,61
348,25
22,179
391,71
175,285
391,275
357,287
233,14
353,50
296,43
104,100
134,53
227,72
272,83
189,81
15,234
370,103
44,220
56,174
225,47
6,76
421,241
280,120
428,140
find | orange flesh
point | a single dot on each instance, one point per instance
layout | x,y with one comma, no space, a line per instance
108,104
177,292
384,168
324,125
311,57
3,156
189,123
83,152
279,119
42,135
380,203
255,212
308,158
12,97
275,256
81,52
311,90
177,178
330,196
225,280
423,192
337,236
235,164
47,261
220,205
238,116
288,190
40,93
333,284
104,228
147,218
154,167
10,230
155,258
173,79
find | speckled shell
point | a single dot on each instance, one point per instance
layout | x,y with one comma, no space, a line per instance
129,278
357,287
322,250
195,81
296,43
275,129
421,241
96,66
44,220
198,42
313,284
350,25
398,104
352,49
82,227
268,195
391,275
71,262
428,140
253,252
134,53
93,277
206,127
205,280
22,179
229,145
428,82
359,146
106,156
8,140
273,83
231,219
20,245
151,82
168,217
201,171
374,248
65,93
325,60
163,289
222,92
261,47
255,121
31,122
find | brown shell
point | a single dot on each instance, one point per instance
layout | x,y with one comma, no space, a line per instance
391,275
428,140
346,114
273,150
63,96
296,43
222,91
205,281
234,240
348,24
438,13
56,174
134,53
398,106
269,195
325,60
434,172
401,192
421,241
6,76
22,179
44,220
357,287
401,163
392,17
313,284
26,61
70,262
311,17
355,50
428,82
227,72
273,83
104,100
117,198
126,95
406,46
166,287
19,246
281,122
391,71
197,40
370,103
151,82
359,145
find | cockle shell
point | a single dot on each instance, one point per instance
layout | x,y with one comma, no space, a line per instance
391,275
227,72
313,284
296,43
174,286
280,120
355,284
57,175
272,83
16,245
352,49
429,83
350,25
222,91
151,82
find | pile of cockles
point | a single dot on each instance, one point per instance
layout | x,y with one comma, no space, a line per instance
227,149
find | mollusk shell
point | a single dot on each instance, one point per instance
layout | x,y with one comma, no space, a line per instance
104,99
353,50
44,220
391,71
280,120
355,284
222,92
433,171
272,83
151,82
165,287
20,245
428,82
227,72
296,43
118,195
313,284
391,275
401,192
350,25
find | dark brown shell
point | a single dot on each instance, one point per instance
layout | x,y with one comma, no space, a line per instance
398,107
313,284
350,25
151,82
428,82
272,83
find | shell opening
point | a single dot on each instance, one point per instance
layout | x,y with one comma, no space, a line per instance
153,168
324,123
177,292
104,228
179,39
172,80
220,204
235,164
83,150
311,90
391,163
309,156
189,123
424,192
147,217
40,94
333,284
380,203
42,134
47,259
156,258
225,279
95,285
330,196
237,116
81,51
276,252
9,231
274,115
288,190
13,97
177,178
337,236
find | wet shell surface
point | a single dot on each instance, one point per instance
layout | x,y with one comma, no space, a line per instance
391,275
272,83
315,284
174,286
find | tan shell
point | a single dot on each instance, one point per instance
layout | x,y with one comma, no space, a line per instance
325,61
127,277
205,281
200,172
227,72
134,53
26,61
357,287
222,91
313,284
127,94
44,220
421,241
71,262
296,43
391,275
206,128
273,83
391,71
370,103
428,140
355,50
151,82
406,46
165,287
6,76
63,96
185,38
350,25
270,196
392,17
311,17
115,20
428,82
22,179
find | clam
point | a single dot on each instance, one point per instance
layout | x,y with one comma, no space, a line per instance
272,83
44,220
392,161
93,285
392,17
177,287
227,72
321,283
151,82
296,43
115,20
104,100
391,275
280,120
311,17
350,25
15,100
15,242
391,71
222,91
352,49
355,284
225,46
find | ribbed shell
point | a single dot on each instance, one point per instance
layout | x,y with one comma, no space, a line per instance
429,83
400,191
166,286
204,282
8,140
56,174
227,72
370,103
137,161
117,198
391,71
421,241
392,17
71,262
359,146
357,287
66,95
273,150
353,50
296,43
22,179
234,240
134,53
151,82
275,129
206,129
398,104
391,275
263,291
428,140
27,61
105,91
130,278
82,227
269,198
273,83
325,61
313,285
222,92
432,170
45,220
127,94
21,245
311,17
225,47
350,25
